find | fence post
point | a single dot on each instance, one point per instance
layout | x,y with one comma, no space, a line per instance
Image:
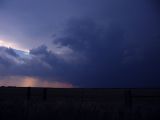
28,93
45,94
28,103
128,104
128,98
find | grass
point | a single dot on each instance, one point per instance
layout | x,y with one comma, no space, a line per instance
76,104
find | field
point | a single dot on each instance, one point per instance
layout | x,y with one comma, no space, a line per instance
79,104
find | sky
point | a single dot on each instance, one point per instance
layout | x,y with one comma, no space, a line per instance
80,43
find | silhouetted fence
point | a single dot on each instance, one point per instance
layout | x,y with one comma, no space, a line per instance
79,104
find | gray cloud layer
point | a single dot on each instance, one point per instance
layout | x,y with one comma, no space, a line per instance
31,23
110,60
117,45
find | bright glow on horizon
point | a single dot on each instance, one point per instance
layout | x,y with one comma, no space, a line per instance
7,44
33,82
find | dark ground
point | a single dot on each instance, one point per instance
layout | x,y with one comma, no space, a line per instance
79,104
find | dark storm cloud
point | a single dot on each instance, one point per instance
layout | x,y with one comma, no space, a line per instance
102,45
6,54
116,46
9,51
31,23
40,63
12,64
111,61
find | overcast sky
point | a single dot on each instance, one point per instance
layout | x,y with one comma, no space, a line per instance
80,43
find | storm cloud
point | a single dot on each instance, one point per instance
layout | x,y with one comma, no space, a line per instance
101,47
92,44
110,60
113,60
